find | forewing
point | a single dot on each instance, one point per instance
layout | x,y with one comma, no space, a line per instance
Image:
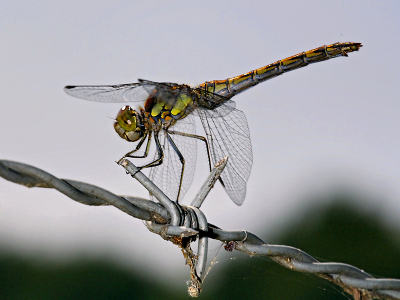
167,175
229,135
164,86
132,92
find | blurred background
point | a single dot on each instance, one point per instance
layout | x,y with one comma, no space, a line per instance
325,140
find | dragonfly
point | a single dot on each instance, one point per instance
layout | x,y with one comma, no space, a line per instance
167,117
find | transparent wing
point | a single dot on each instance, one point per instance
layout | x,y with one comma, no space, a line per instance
217,105
229,135
220,111
167,175
132,92
164,86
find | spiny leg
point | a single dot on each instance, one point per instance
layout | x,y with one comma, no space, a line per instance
201,138
181,158
195,136
160,152
139,145
154,163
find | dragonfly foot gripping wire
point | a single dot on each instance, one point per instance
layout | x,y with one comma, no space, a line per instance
194,223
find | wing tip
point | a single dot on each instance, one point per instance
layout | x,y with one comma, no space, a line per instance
69,88
237,196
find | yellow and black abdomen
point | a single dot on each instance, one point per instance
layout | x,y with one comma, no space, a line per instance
234,85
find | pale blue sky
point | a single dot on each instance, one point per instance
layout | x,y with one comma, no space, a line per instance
331,125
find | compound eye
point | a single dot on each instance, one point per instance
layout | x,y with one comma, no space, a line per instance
126,118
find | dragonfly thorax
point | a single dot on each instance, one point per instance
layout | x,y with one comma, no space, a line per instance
129,125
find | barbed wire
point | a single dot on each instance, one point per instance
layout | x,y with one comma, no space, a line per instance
184,224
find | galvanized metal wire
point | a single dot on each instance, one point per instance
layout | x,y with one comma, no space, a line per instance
180,223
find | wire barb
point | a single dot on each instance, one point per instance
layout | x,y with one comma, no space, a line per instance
209,183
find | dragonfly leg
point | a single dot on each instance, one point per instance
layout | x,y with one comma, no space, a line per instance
181,158
139,145
154,163
160,152
157,161
201,138
195,136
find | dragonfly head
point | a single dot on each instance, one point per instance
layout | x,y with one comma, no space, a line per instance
128,124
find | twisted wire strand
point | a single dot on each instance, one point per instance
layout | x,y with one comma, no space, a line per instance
81,192
353,280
